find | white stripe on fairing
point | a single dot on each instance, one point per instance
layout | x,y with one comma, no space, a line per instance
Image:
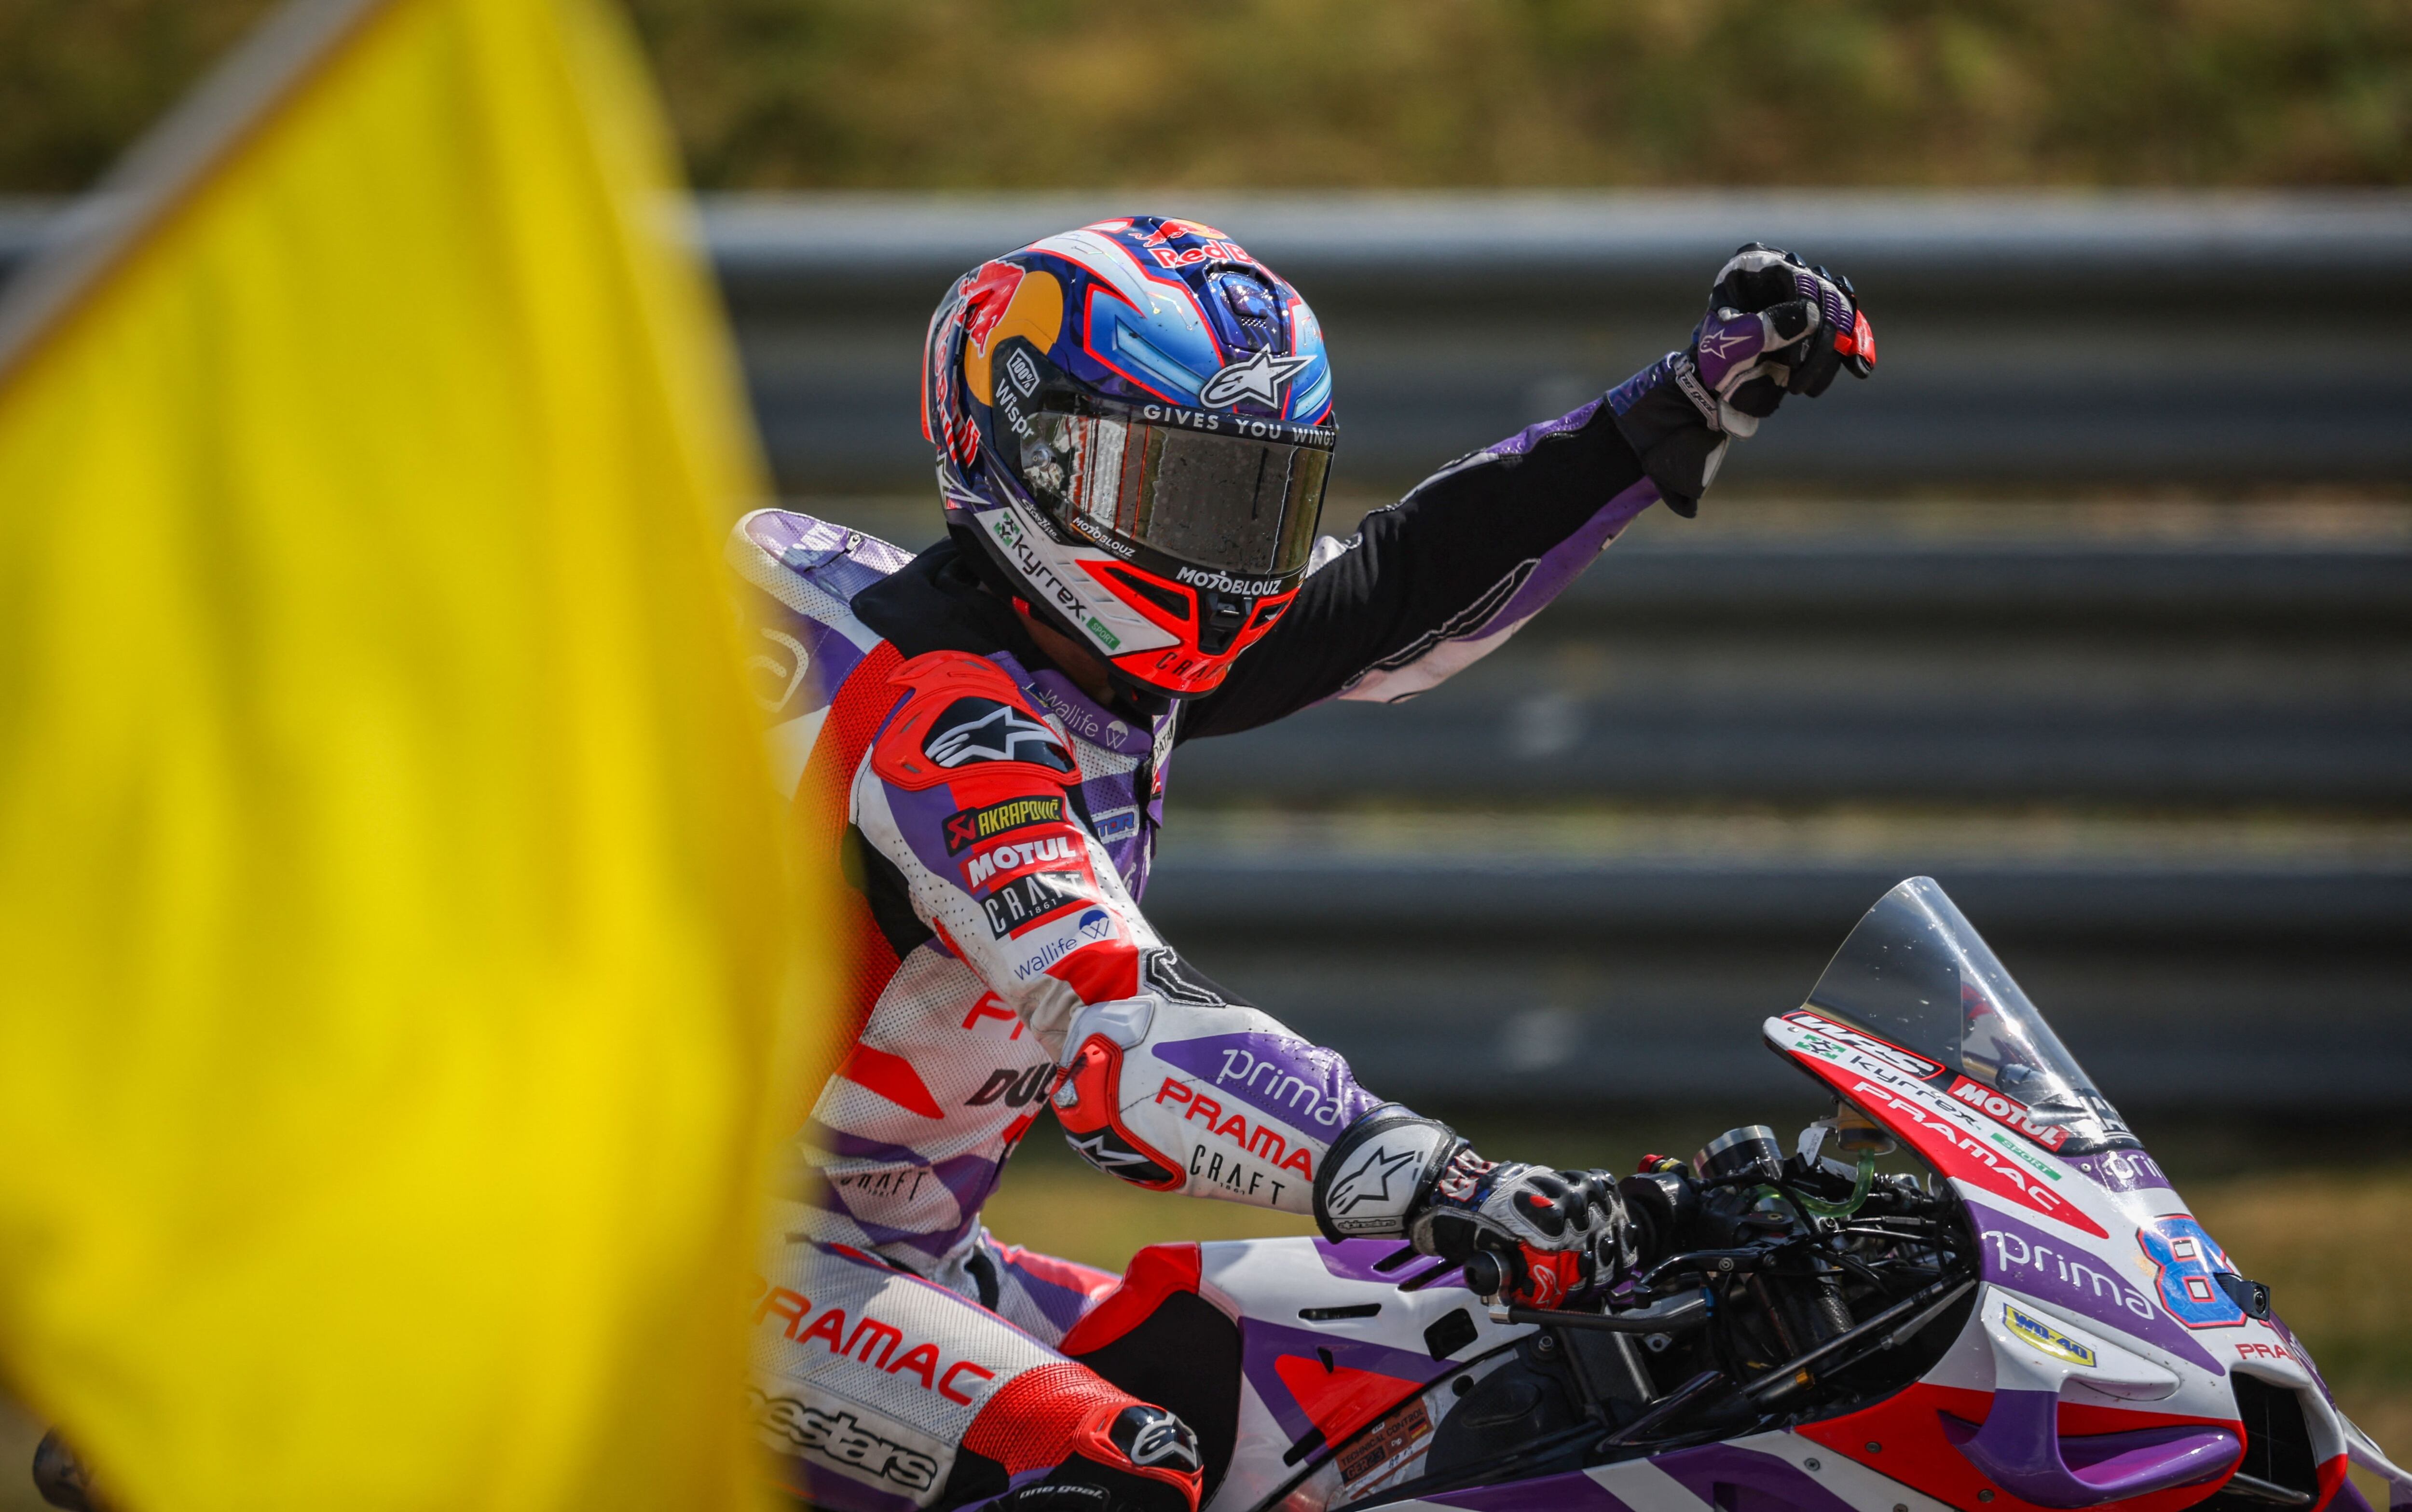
791,749
1645,1488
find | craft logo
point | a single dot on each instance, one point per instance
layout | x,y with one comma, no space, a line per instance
2033,1331
1260,376
982,729
1024,901
966,828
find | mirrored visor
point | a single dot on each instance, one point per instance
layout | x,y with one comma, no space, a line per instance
1238,504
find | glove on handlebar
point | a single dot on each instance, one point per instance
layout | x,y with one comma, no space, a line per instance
1395,1174
1774,326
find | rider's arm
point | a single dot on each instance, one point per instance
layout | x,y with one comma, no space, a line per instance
966,836
1441,579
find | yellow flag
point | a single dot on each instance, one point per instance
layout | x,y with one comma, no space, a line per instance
392,951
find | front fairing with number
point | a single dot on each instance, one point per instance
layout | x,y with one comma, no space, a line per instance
2112,1343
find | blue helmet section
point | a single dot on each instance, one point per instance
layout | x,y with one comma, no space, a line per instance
1141,310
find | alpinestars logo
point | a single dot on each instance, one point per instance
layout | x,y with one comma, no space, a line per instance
1151,1436
1370,1181
837,1435
982,729
1260,375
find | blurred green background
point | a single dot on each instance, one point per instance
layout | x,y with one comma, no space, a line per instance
1469,94
1268,93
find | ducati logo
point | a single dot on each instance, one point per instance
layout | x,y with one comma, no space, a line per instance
1259,376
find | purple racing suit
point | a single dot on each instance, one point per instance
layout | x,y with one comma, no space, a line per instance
994,827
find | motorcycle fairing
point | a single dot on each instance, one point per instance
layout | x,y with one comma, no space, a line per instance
2090,1245
1318,1381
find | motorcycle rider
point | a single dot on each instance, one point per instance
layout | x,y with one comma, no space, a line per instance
1133,422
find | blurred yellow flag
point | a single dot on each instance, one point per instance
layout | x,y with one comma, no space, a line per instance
393,951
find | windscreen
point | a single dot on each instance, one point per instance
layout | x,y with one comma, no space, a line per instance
1915,972
1238,504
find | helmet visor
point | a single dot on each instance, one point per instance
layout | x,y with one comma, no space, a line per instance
1237,504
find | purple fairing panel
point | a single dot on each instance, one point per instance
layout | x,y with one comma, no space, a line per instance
2303,1355
1306,1086
2021,1447
2348,1498
1571,1492
2122,1171
1356,1259
1262,1344
1737,1479
2052,1269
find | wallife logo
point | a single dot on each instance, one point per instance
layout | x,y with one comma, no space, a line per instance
838,1436
1223,583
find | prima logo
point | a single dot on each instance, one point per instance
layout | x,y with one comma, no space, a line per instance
1260,376
1223,583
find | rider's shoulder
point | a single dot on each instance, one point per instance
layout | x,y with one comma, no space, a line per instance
814,567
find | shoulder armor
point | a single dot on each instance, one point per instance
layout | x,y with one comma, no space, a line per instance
964,716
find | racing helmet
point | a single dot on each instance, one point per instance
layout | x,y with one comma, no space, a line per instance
1133,421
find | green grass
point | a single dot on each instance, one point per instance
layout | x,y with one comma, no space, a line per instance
988,93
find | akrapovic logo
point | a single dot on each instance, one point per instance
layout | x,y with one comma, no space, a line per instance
1223,583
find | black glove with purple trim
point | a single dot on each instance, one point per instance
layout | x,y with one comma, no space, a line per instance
1774,326
1521,1231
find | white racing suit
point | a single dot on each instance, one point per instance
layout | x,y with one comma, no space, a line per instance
994,826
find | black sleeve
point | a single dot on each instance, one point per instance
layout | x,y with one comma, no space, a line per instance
1438,565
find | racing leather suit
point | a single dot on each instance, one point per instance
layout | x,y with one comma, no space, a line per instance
994,827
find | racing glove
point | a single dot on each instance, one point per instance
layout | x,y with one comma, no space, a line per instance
1774,326
1535,1234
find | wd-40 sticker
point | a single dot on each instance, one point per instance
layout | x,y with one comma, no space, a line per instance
2187,1265
982,729
2031,1330
1860,1039
966,828
1063,851
2007,1111
1024,901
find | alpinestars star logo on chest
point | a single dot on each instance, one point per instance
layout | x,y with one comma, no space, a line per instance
1260,375
982,729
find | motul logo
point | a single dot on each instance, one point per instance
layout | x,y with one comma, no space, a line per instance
1021,856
